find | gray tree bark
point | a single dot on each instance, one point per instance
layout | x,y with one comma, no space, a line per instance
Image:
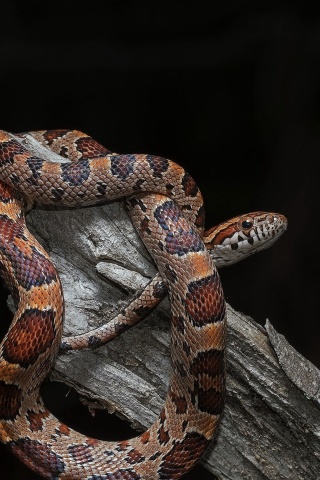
271,422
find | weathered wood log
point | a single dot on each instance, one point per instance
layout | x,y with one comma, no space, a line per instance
271,423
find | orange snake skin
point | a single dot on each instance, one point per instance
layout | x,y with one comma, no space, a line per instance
166,208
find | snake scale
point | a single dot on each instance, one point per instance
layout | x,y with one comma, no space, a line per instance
166,208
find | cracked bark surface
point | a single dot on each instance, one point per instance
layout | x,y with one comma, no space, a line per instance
271,422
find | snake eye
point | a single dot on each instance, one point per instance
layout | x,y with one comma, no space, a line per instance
247,223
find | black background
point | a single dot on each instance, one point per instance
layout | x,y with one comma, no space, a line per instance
231,93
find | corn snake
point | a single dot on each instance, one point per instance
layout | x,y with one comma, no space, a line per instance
166,208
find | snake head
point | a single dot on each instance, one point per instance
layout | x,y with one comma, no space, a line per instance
244,235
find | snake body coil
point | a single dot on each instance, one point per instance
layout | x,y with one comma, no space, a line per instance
166,208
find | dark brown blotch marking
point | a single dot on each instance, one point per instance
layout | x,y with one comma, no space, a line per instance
158,165
65,346
185,423
81,454
145,437
138,184
184,239
181,369
102,188
169,188
179,323
8,150
182,456
121,327
15,179
123,445
11,229
134,456
171,274
51,135
10,400
5,193
160,246
159,290
211,362
205,301
36,419
39,457
75,173
190,187
122,166
35,166
8,194
144,226
211,400
167,210
143,310
90,148
32,270
180,403
200,218
163,434
155,456
57,194
63,429
31,336
92,442
64,151
136,202
186,347
31,267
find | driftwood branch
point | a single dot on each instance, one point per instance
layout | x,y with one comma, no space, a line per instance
271,423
